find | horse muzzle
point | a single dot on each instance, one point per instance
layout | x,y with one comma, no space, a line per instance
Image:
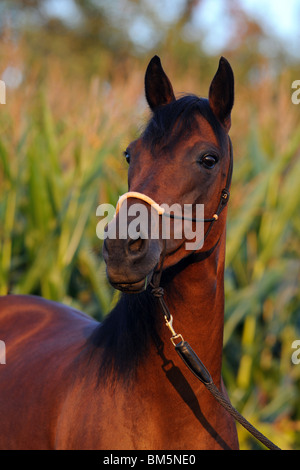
130,263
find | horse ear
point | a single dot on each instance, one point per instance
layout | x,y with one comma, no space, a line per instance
221,93
158,88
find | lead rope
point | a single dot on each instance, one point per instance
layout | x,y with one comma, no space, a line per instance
196,366
184,350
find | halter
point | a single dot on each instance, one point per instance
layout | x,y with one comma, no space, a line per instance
182,347
224,198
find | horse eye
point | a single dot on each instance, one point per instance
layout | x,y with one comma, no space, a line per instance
209,161
127,156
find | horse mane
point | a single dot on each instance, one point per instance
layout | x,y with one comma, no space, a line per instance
123,338
177,120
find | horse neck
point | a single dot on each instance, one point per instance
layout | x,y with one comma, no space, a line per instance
195,298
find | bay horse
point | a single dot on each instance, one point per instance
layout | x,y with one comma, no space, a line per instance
70,382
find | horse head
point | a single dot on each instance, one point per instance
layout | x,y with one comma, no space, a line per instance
182,158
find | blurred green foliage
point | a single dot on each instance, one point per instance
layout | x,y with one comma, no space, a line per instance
62,133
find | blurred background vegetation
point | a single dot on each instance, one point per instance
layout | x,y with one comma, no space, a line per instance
74,72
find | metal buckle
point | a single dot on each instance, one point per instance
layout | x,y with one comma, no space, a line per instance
225,195
169,323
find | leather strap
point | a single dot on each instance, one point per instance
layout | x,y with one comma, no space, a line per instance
193,362
197,367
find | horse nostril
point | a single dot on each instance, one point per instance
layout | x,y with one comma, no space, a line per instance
136,246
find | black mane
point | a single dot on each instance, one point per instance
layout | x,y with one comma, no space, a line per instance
178,119
124,337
